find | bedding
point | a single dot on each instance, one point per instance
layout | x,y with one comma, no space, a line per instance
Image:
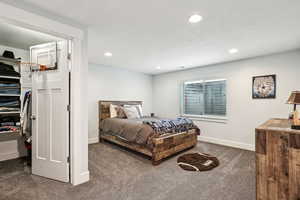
165,126
142,130
131,130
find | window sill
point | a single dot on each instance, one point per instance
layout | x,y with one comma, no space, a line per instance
208,118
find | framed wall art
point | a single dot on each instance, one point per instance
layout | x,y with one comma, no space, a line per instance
264,87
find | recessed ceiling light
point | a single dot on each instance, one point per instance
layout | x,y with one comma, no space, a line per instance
195,19
158,67
108,54
233,51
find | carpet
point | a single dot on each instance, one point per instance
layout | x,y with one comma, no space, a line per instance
117,174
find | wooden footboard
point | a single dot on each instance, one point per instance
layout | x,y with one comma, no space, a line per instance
163,147
118,141
170,145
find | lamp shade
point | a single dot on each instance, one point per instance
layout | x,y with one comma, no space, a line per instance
294,98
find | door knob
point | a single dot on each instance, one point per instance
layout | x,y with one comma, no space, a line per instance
33,117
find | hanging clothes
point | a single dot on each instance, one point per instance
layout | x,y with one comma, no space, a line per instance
26,113
26,125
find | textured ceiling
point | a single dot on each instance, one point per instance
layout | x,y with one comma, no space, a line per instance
143,34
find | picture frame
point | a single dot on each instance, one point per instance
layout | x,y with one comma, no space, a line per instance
264,87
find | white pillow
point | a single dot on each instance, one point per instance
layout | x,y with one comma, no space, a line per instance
131,112
113,111
140,110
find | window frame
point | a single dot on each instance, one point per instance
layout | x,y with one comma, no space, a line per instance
211,118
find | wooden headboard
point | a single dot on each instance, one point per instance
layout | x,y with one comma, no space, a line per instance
104,111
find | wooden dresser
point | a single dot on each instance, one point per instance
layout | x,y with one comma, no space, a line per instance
277,161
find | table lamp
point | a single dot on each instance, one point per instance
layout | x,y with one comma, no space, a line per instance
295,99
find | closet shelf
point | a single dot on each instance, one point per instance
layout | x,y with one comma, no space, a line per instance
10,77
10,87
11,60
9,135
10,95
10,113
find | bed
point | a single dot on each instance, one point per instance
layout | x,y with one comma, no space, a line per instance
156,147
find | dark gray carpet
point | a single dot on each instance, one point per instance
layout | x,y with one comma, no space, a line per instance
117,174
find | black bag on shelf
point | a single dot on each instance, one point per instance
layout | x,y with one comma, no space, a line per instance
8,54
8,70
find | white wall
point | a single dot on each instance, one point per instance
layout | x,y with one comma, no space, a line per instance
108,83
244,113
13,148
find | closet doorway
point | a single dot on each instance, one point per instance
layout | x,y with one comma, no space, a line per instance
40,110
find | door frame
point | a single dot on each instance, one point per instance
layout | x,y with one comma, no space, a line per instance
79,172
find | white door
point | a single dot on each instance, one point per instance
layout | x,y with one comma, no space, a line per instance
50,116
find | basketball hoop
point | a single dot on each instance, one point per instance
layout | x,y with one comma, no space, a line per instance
38,67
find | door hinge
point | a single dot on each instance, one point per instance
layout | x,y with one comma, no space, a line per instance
68,159
69,56
68,108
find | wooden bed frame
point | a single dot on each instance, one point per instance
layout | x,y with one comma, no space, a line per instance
163,147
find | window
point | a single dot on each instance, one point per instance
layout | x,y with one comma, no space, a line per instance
204,98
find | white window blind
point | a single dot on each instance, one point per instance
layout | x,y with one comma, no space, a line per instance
204,97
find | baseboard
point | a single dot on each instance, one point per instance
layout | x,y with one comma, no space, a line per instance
227,143
93,140
9,156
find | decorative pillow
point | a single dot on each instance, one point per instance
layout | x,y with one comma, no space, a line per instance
120,112
113,110
131,112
